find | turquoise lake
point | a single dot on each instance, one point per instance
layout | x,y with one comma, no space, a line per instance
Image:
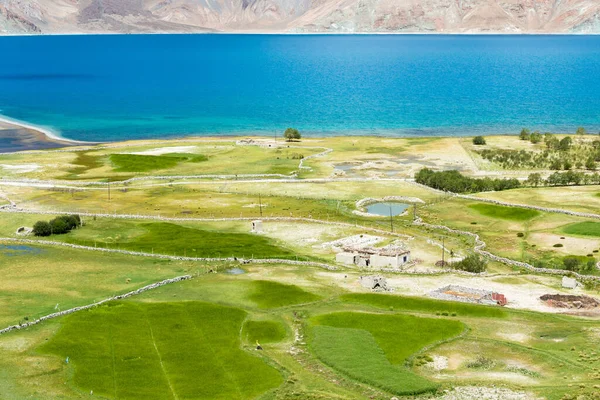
118,87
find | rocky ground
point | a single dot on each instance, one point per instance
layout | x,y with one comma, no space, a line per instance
447,16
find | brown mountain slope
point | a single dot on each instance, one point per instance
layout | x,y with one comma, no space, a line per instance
124,16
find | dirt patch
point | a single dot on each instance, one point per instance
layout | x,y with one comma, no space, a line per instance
483,393
570,301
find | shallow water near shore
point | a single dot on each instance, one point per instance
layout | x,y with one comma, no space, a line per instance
119,87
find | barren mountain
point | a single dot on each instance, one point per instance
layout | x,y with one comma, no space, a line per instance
447,16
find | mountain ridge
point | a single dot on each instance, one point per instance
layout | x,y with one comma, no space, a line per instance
299,16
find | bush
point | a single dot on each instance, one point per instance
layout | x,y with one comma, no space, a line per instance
558,245
479,140
520,234
471,263
59,226
42,228
454,181
292,134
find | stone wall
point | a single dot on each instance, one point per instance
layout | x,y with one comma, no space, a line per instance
75,309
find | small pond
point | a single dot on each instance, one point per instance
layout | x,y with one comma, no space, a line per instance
235,271
18,250
384,209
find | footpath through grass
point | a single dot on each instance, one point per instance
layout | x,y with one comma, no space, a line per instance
161,351
372,348
404,303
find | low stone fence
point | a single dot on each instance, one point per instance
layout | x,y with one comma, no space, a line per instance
75,309
176,258
480,245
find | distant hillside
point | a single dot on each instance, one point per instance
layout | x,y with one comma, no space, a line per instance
443,16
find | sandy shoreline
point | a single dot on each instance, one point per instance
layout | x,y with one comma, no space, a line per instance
49,134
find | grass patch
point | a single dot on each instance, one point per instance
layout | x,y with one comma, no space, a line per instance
373,348
83,162
268,294
405,303
587,228
166,238
144,163
152,351
502,212
263,331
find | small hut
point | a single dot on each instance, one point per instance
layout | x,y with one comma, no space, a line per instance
257,226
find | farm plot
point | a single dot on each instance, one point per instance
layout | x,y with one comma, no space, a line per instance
161,351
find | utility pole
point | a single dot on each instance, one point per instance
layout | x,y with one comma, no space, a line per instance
443,250
391,221
260,204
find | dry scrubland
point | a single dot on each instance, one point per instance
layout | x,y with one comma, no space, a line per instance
323,334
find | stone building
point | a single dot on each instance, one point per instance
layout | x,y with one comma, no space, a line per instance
371,257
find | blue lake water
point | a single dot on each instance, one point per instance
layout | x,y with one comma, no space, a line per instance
385,209
157,86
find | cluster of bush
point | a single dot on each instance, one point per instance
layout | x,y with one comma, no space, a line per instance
580,264
453,181
57,226
471,263
563,179
563,154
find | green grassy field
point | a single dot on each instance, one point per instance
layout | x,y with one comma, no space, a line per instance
588,228
263,331
173,239
372,348
144,163
150,351
419,304
268,294
509,213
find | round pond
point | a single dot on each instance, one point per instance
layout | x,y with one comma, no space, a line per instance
385,209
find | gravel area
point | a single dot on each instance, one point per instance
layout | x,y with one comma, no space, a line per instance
484,393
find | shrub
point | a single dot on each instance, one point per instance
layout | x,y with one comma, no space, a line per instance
558,245
479,140
59,226
525,134
520,234
454,181
471,263
42,228
292,134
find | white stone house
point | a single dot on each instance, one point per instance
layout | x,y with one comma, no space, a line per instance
370,257
257,226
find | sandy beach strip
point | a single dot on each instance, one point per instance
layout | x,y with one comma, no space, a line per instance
47,133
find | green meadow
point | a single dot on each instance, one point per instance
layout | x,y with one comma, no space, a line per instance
268,294
587,228
372,348
502,212
419,304
146,163
161,351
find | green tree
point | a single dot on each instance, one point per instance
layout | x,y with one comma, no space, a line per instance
581,131
535,137
590,164
478,140
59,226
535,179
525,133
471,263
565,143
292,134
42,228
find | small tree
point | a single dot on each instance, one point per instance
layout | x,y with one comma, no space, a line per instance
471,263
590,164
525,133
42,228
534,179
581,131
535,137
59,226
292,134
565,143
479,140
